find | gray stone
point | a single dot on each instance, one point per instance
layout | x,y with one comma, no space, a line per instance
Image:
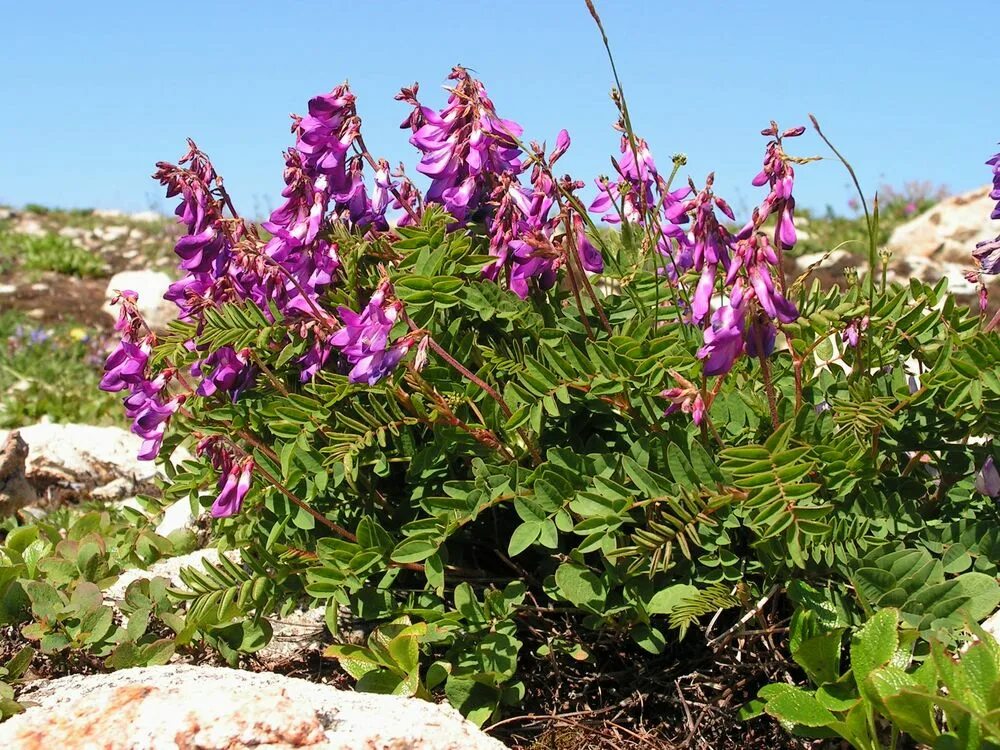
15,490
950,229
80,456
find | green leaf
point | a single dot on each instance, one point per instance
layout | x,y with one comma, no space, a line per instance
796,706
19,662
523,537
875,643
580,586
414,550
664,600
475,700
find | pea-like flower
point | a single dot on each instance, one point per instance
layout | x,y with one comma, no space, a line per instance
466,146
988,479
684,397
363,338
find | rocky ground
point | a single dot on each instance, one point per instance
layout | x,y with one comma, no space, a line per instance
117,242
57,271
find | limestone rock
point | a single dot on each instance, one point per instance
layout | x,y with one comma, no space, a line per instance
950,229
152,217
176,517
212,708
301,632
150,286
78,456
15,491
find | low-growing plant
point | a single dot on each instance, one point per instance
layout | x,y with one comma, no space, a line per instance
51,372
896,685
48,252
53,577
460,418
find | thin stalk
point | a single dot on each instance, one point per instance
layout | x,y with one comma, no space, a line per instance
765,367
994,323
575,286
366,154
871,222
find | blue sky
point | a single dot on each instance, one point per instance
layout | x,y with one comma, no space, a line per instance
95,93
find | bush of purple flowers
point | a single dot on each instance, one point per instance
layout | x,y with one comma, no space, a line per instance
457,410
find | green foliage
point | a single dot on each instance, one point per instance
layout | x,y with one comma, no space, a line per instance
48,252
896,684
51,373
53,574
445,514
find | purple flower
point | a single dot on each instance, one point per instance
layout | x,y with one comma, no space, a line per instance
125,367
630,198
994,162
590,256
235,476
684,398
326,134
852,334
466,146
364,338
723,339
988,479
228,372
233,488
710,248
779,175
987,255
150,414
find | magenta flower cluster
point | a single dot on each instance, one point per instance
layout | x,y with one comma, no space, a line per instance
987,254
741,270
148,404
474,159
235,475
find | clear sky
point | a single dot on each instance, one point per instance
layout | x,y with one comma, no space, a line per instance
95,92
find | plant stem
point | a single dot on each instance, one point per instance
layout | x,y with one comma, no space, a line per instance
765,367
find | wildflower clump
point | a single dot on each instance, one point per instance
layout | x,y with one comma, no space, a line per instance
475,416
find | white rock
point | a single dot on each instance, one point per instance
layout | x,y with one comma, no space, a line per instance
176,517
72,233
213,708
150,216
31,227
116,489
108,213
111,233
950,229
150,286
79,455
7,288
